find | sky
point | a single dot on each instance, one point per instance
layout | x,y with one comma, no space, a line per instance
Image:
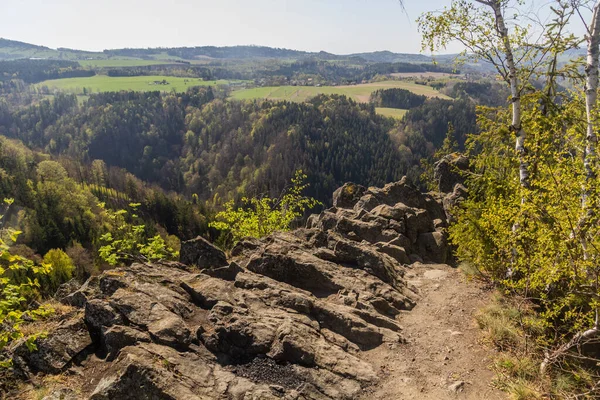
336,26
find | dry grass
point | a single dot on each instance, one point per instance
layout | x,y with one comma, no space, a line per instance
44,325
506,324
46,386
498,321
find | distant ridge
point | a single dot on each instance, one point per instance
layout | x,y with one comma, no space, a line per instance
4,43
12,49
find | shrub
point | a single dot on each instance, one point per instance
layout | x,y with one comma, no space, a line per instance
262,216
19,283
61,271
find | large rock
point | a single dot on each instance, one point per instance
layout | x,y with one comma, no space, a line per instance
201,253
452,200
55,351
434,247
348,195
449,171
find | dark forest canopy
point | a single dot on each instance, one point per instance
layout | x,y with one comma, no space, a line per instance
191,143
397,98
33,71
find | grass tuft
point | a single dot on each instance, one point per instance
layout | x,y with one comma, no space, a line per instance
498,321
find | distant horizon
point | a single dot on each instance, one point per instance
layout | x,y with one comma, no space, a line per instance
224,46
335,26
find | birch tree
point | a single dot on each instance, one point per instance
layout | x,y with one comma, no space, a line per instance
591,99
481,27
589,190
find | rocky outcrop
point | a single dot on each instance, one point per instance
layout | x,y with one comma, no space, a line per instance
200,253
448,172
287,316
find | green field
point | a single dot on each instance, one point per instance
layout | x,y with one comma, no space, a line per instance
391,112
120,63
360,93
103,83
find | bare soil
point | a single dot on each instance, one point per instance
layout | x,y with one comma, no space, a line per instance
444,357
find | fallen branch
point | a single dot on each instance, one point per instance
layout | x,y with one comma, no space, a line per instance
578,340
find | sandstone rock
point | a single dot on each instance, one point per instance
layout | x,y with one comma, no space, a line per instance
366,203
452,200
56,350
401,241
227,273
169,329
67,288
99,314
79,297
348,195
75,299
119,337
447,171
207,291
401,192
397,252
301,270
201,253
418,222
433,247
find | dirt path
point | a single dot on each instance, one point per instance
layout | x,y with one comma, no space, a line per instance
443,357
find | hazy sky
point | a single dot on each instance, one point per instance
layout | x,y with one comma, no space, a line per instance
337,26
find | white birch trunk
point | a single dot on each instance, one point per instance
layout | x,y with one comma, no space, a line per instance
591,98
514,92
589,162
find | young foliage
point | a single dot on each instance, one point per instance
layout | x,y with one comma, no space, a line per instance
127,241
62,270
262,216
528,235
19,283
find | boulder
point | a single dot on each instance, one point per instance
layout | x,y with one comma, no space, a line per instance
55,351
448,171
348,195
453,200
433,247
99,314
201,253
397,252
119,337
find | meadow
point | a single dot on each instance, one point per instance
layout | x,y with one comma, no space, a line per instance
361,93
103,83
391,112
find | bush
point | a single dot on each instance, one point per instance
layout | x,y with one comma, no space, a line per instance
19,285
261,217
128,240
61,271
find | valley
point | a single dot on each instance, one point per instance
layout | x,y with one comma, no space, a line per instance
312,219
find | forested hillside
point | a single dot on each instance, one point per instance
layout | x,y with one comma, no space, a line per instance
182,156
191,143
